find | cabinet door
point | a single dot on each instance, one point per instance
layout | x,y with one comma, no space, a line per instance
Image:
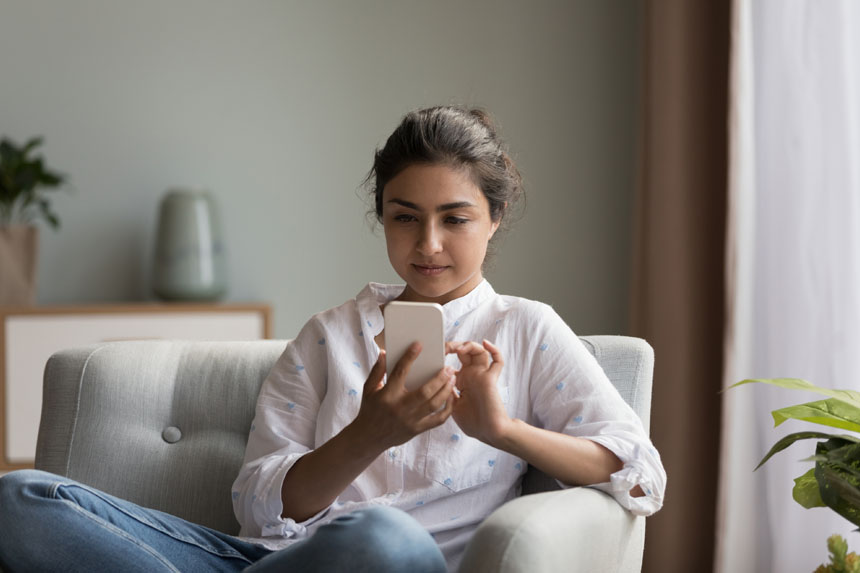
29,337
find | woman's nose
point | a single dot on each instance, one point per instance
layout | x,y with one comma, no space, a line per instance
429,242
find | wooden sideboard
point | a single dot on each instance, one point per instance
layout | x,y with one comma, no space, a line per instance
30,335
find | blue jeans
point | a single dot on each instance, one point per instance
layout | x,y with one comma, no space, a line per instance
50,523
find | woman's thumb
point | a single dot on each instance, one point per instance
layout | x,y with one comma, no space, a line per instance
374,379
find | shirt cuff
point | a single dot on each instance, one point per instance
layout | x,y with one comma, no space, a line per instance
269,507
642,467
289,528
623,481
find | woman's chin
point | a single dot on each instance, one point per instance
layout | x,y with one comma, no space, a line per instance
427,291
420,291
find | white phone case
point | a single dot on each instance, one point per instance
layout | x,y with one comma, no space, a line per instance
407,322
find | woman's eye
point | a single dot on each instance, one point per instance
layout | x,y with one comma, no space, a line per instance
404,218
456,220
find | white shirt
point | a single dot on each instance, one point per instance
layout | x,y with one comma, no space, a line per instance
446,480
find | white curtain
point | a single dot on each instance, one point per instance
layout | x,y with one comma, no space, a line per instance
793,266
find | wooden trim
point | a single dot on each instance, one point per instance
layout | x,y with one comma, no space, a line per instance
265,310
142,308
267,322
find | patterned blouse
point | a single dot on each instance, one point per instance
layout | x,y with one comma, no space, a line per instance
446,480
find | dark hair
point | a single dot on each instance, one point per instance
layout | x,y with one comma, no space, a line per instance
460,137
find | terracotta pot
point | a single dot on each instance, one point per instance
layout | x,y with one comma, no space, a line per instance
18,244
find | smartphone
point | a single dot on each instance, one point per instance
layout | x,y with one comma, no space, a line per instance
408,322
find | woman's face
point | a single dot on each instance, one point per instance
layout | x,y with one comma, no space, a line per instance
437,227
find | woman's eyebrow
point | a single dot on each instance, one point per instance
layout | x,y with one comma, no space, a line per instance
452,206
439,209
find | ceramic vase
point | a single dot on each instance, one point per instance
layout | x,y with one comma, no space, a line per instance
18,245
190,260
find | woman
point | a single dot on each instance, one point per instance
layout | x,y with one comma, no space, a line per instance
327,440
346,470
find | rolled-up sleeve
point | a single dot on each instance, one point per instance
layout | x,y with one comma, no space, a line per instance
642,467
571,394
281,433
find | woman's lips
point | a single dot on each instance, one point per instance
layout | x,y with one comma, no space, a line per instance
429,270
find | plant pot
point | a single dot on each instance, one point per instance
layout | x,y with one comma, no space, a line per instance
18,244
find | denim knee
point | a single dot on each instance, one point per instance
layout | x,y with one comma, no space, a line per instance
14,485
383,519
392,540
369,540
16,489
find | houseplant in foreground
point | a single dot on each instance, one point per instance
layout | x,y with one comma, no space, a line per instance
24,183
834,481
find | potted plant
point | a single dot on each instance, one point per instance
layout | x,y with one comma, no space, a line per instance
834,481
24,183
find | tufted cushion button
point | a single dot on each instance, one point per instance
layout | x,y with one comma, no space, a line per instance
171,434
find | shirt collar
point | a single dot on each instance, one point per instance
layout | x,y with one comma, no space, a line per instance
375,295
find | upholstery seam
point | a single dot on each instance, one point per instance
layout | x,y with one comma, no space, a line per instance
638,374
74,428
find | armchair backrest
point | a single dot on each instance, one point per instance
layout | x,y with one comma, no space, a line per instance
164,423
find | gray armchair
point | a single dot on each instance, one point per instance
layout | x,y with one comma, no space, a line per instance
164,424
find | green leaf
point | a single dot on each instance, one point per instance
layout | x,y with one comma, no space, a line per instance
48,215
844,458
831,412
838,548
8,152
791,438
840,487
31,145
806,492
847,396
24,182
50,179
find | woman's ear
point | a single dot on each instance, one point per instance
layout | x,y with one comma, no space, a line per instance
495,224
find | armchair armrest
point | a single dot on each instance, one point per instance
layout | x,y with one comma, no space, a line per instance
577,529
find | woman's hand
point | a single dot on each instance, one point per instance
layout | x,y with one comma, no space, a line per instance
391,415
480,413
479,410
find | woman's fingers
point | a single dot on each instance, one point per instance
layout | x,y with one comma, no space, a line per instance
432,403
398,375
374,379
426,392
444,391
439,415
473,354
496,354
452,346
